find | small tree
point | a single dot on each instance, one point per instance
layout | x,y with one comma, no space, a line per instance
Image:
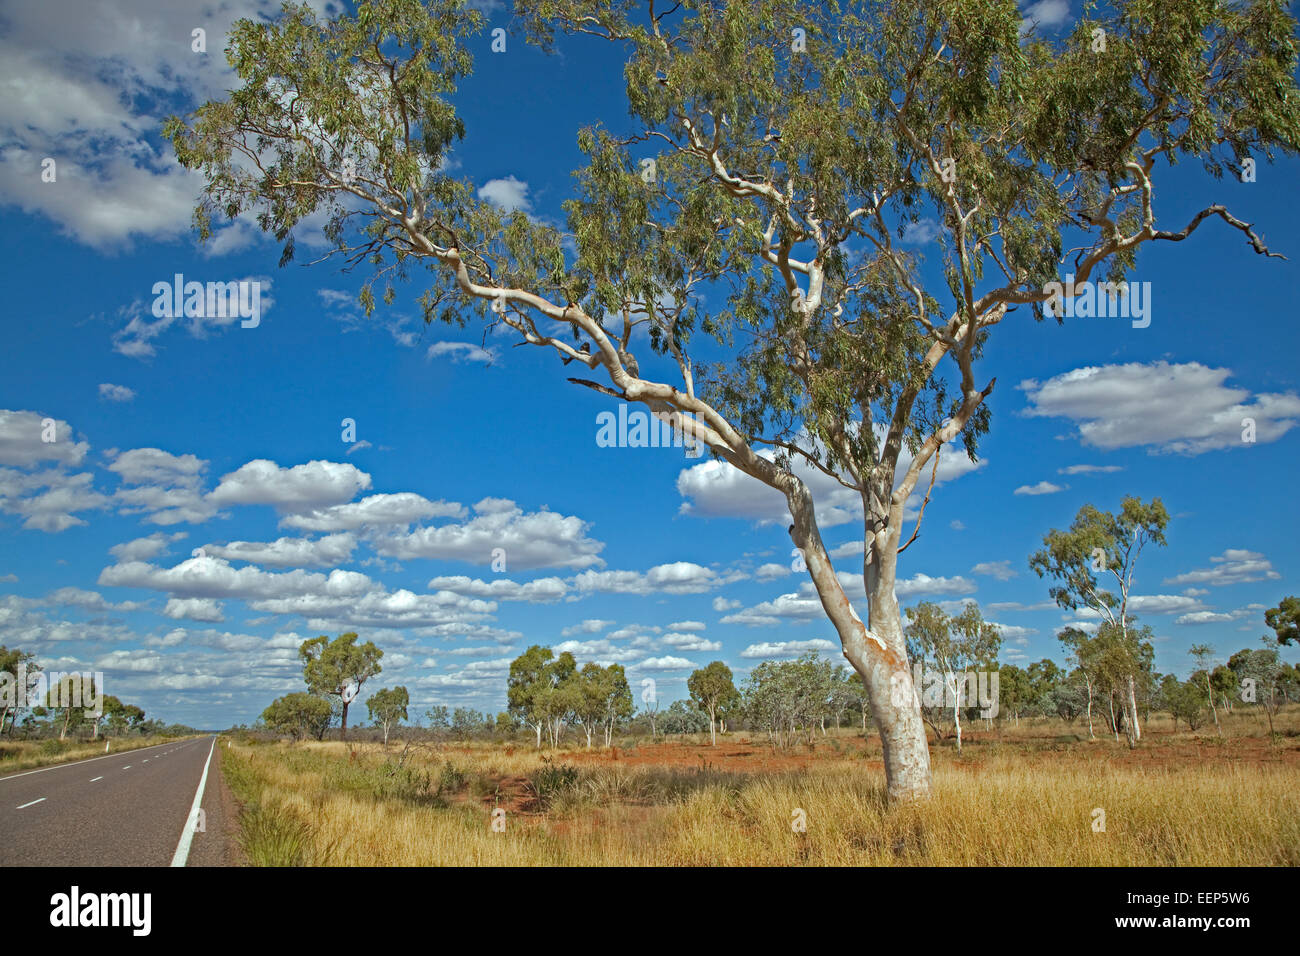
1109,544
439,720
712,689
1204,656
15,693
338,668
299,715
953,644
70,698
542,691
388,707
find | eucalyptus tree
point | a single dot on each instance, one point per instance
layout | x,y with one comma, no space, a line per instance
954,643
712,690
1099,542
336,669
387,706
1204,655
777,153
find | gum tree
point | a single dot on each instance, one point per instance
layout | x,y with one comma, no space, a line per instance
338,668
712,690
776,154
1105,544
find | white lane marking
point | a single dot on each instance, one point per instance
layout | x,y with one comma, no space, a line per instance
93,779
146,759
70,763
127,767
187,835
32,804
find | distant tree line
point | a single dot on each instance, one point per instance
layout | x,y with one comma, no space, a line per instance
63,707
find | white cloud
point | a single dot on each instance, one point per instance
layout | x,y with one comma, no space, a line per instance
1042,488
678,577
49,500
1234,566
539,591
373,512
194,609
541,539
664,664
1089,469
788,648
691,643
1181,409
88,90
115,393
142,549
507,194
589,626
324,552
22,440
1002,570
924,584
314,485
463,352
767,572
1044,14
721,604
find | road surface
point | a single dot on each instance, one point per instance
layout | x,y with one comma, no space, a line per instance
127,809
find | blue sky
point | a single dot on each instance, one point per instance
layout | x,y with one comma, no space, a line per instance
186,434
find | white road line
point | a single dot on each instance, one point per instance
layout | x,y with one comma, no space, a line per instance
187,835
32,804
93,779
127,767
70,763
146,759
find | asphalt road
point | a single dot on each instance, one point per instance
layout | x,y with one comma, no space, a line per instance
127,809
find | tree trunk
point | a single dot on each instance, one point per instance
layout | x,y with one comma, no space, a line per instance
877,651
345,719
951,680
1209,687
1088,681
1133,706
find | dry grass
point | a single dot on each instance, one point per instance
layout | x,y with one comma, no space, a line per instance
1028,799
20,755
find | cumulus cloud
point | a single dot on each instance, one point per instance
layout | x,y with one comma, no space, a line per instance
678,577
1234,566
194,609
788,648
324,552
538,591
115,393
1041,488
383,511
507,194
539,539
1002,570
314,485
23,440
1179,409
